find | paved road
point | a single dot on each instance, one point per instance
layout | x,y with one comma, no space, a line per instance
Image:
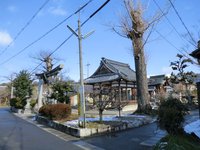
141,138
17,134
128,140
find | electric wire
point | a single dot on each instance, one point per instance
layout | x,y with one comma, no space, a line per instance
170,43
170,23
45,34
182,22
82,24
25,26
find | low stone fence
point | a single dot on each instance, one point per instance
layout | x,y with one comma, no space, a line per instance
58,126
85,132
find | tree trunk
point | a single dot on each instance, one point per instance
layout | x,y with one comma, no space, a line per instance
141,74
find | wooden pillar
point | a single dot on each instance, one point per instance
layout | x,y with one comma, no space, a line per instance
100,93
134,95
119,103
131,94
126,91
93,95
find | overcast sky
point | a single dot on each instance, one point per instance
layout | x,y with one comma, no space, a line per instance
103,43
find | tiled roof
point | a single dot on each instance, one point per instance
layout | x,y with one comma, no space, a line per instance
156,80
115,70
196,53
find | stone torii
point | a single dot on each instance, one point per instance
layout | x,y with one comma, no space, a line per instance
44,79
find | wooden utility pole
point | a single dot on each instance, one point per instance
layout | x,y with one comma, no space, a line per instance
82,92
12,88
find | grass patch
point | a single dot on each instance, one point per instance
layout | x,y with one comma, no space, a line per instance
95,124
69,118
103,124
4,105
179,142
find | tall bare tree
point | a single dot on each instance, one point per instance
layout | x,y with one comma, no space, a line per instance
46,60
133,27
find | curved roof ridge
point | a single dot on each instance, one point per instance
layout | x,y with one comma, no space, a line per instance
115,62
115,70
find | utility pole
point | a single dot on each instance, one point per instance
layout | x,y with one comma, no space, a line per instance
82,93
12,88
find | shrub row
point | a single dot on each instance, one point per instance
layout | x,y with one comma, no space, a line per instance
55,111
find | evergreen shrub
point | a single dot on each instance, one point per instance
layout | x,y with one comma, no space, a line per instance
17,103
171,115
33,102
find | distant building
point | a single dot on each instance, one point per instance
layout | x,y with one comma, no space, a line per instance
158,84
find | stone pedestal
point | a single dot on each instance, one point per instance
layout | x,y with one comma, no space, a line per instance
27,108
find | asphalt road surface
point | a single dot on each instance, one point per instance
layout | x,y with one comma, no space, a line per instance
126,140
17,134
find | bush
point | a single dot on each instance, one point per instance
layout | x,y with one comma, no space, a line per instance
33,102
55,111
178,142
17,103
171,115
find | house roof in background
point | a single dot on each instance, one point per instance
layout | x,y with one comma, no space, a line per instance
156,80
196,53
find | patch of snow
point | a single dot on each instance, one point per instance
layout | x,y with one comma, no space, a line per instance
136,116
33,118
193,127
131,120
74,123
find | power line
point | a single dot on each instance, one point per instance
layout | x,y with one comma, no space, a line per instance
182,21
25,26
172,24
93,14
104,4
170,43
45,34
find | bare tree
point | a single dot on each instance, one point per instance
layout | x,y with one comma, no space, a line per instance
104,97
133,27
46,60
192,42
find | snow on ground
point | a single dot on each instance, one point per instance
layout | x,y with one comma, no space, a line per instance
193,127
135,119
